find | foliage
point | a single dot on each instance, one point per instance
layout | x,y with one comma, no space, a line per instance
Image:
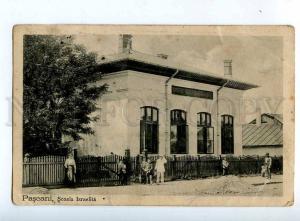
59,91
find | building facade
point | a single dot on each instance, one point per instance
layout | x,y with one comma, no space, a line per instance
163,108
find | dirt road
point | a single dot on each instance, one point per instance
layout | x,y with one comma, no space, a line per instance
229,185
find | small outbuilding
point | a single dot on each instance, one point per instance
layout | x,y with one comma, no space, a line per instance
264,135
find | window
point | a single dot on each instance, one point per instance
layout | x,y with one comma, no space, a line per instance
227,136
179,130
149,130
205,134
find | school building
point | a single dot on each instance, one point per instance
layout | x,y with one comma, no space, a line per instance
164,108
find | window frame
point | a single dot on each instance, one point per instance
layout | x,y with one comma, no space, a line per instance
178,118
145,122
227,124
205,124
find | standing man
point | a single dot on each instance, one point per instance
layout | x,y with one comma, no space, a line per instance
149,172
122,172
144,169
127,163
160,169
268,164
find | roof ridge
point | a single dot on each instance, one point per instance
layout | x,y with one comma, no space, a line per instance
184,69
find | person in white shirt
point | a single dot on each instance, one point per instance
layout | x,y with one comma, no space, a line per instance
268,165
160,169
70,166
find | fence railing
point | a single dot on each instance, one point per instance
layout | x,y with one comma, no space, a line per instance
44,170
252,164
100,171
97,171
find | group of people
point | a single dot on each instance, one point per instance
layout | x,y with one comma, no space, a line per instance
147,171
265,168
146,175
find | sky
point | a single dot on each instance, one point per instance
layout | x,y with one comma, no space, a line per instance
255,59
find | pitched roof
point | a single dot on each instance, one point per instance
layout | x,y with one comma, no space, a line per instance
164,67
267,134
278,117
272,117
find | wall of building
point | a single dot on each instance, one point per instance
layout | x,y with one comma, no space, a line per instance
119,126
230,103
149,90
261,151
111,129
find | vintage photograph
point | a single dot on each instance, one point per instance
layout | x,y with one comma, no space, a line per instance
153,115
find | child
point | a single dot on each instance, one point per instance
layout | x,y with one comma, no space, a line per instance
263,170
225,165
149,172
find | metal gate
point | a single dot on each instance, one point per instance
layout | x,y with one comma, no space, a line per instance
97,171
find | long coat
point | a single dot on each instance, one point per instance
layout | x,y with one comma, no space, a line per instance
70,166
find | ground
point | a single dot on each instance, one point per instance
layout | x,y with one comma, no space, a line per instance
229,185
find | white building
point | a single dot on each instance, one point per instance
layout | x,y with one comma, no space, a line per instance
165,108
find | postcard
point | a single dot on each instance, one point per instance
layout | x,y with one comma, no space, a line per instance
153,115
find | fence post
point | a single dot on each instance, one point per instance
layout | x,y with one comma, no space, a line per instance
139,160
240,164
257,165
276,163
174,167
197,165
220,170
127,162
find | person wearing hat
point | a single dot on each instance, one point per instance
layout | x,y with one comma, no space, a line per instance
27,158
268,164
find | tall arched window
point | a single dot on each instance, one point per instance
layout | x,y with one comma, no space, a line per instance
149,129
205,133
179,131
227,135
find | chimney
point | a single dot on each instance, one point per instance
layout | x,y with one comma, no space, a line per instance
228,68
125,43
258,116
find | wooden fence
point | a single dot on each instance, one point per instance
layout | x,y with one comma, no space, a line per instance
43,171
101,171
186,167
97,171
252,165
